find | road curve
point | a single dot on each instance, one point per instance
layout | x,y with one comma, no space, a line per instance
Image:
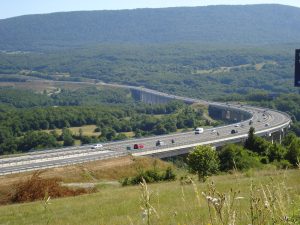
265,122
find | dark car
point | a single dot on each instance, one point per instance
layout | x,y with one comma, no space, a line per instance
234,131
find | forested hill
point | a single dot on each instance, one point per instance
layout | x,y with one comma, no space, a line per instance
252,24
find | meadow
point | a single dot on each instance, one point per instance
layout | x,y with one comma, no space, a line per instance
268,196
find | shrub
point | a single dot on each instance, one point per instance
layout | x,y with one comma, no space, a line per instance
282,164
203,161
36,188
276,152
169,174
97,129
236,157
293,153
256,144
150,176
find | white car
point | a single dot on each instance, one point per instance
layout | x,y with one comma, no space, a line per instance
96,146
159,143
237,125
199,130
213,131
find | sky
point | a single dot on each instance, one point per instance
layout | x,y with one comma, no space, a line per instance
11,8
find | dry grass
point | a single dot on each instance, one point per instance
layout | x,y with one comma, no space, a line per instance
36,188
103,170
87,130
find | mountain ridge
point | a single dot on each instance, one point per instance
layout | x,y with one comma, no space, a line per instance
240,24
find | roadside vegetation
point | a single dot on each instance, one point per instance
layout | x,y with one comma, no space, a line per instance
30,125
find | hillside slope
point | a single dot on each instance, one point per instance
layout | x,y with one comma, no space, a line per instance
252,24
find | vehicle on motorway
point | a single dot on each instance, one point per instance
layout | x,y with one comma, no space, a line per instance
172,141
97,146
213,131
266,125
250,122
128,147
237,125
234,131
199,130
159,143
138,146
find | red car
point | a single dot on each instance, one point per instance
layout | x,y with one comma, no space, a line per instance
138,146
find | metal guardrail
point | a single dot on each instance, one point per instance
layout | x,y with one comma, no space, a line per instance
74,162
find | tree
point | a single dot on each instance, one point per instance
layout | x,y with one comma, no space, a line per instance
203,161
288,139
160,129
81,132
138,133
256,144
86,140
120,137
250,142
10,145
36,140
293,153
67,137
276,152
234,156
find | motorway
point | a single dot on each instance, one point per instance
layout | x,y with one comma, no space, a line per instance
265,122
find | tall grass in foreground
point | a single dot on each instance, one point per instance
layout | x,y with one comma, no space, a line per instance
267,204
255,197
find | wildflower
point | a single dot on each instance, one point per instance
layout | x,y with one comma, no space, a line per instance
144,214
267,204
215,200
209,198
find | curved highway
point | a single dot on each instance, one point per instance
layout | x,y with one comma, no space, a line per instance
265,122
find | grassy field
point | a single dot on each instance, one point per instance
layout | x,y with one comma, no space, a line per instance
170,203
87,130
221,70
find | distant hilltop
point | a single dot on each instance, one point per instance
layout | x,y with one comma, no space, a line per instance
249,24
